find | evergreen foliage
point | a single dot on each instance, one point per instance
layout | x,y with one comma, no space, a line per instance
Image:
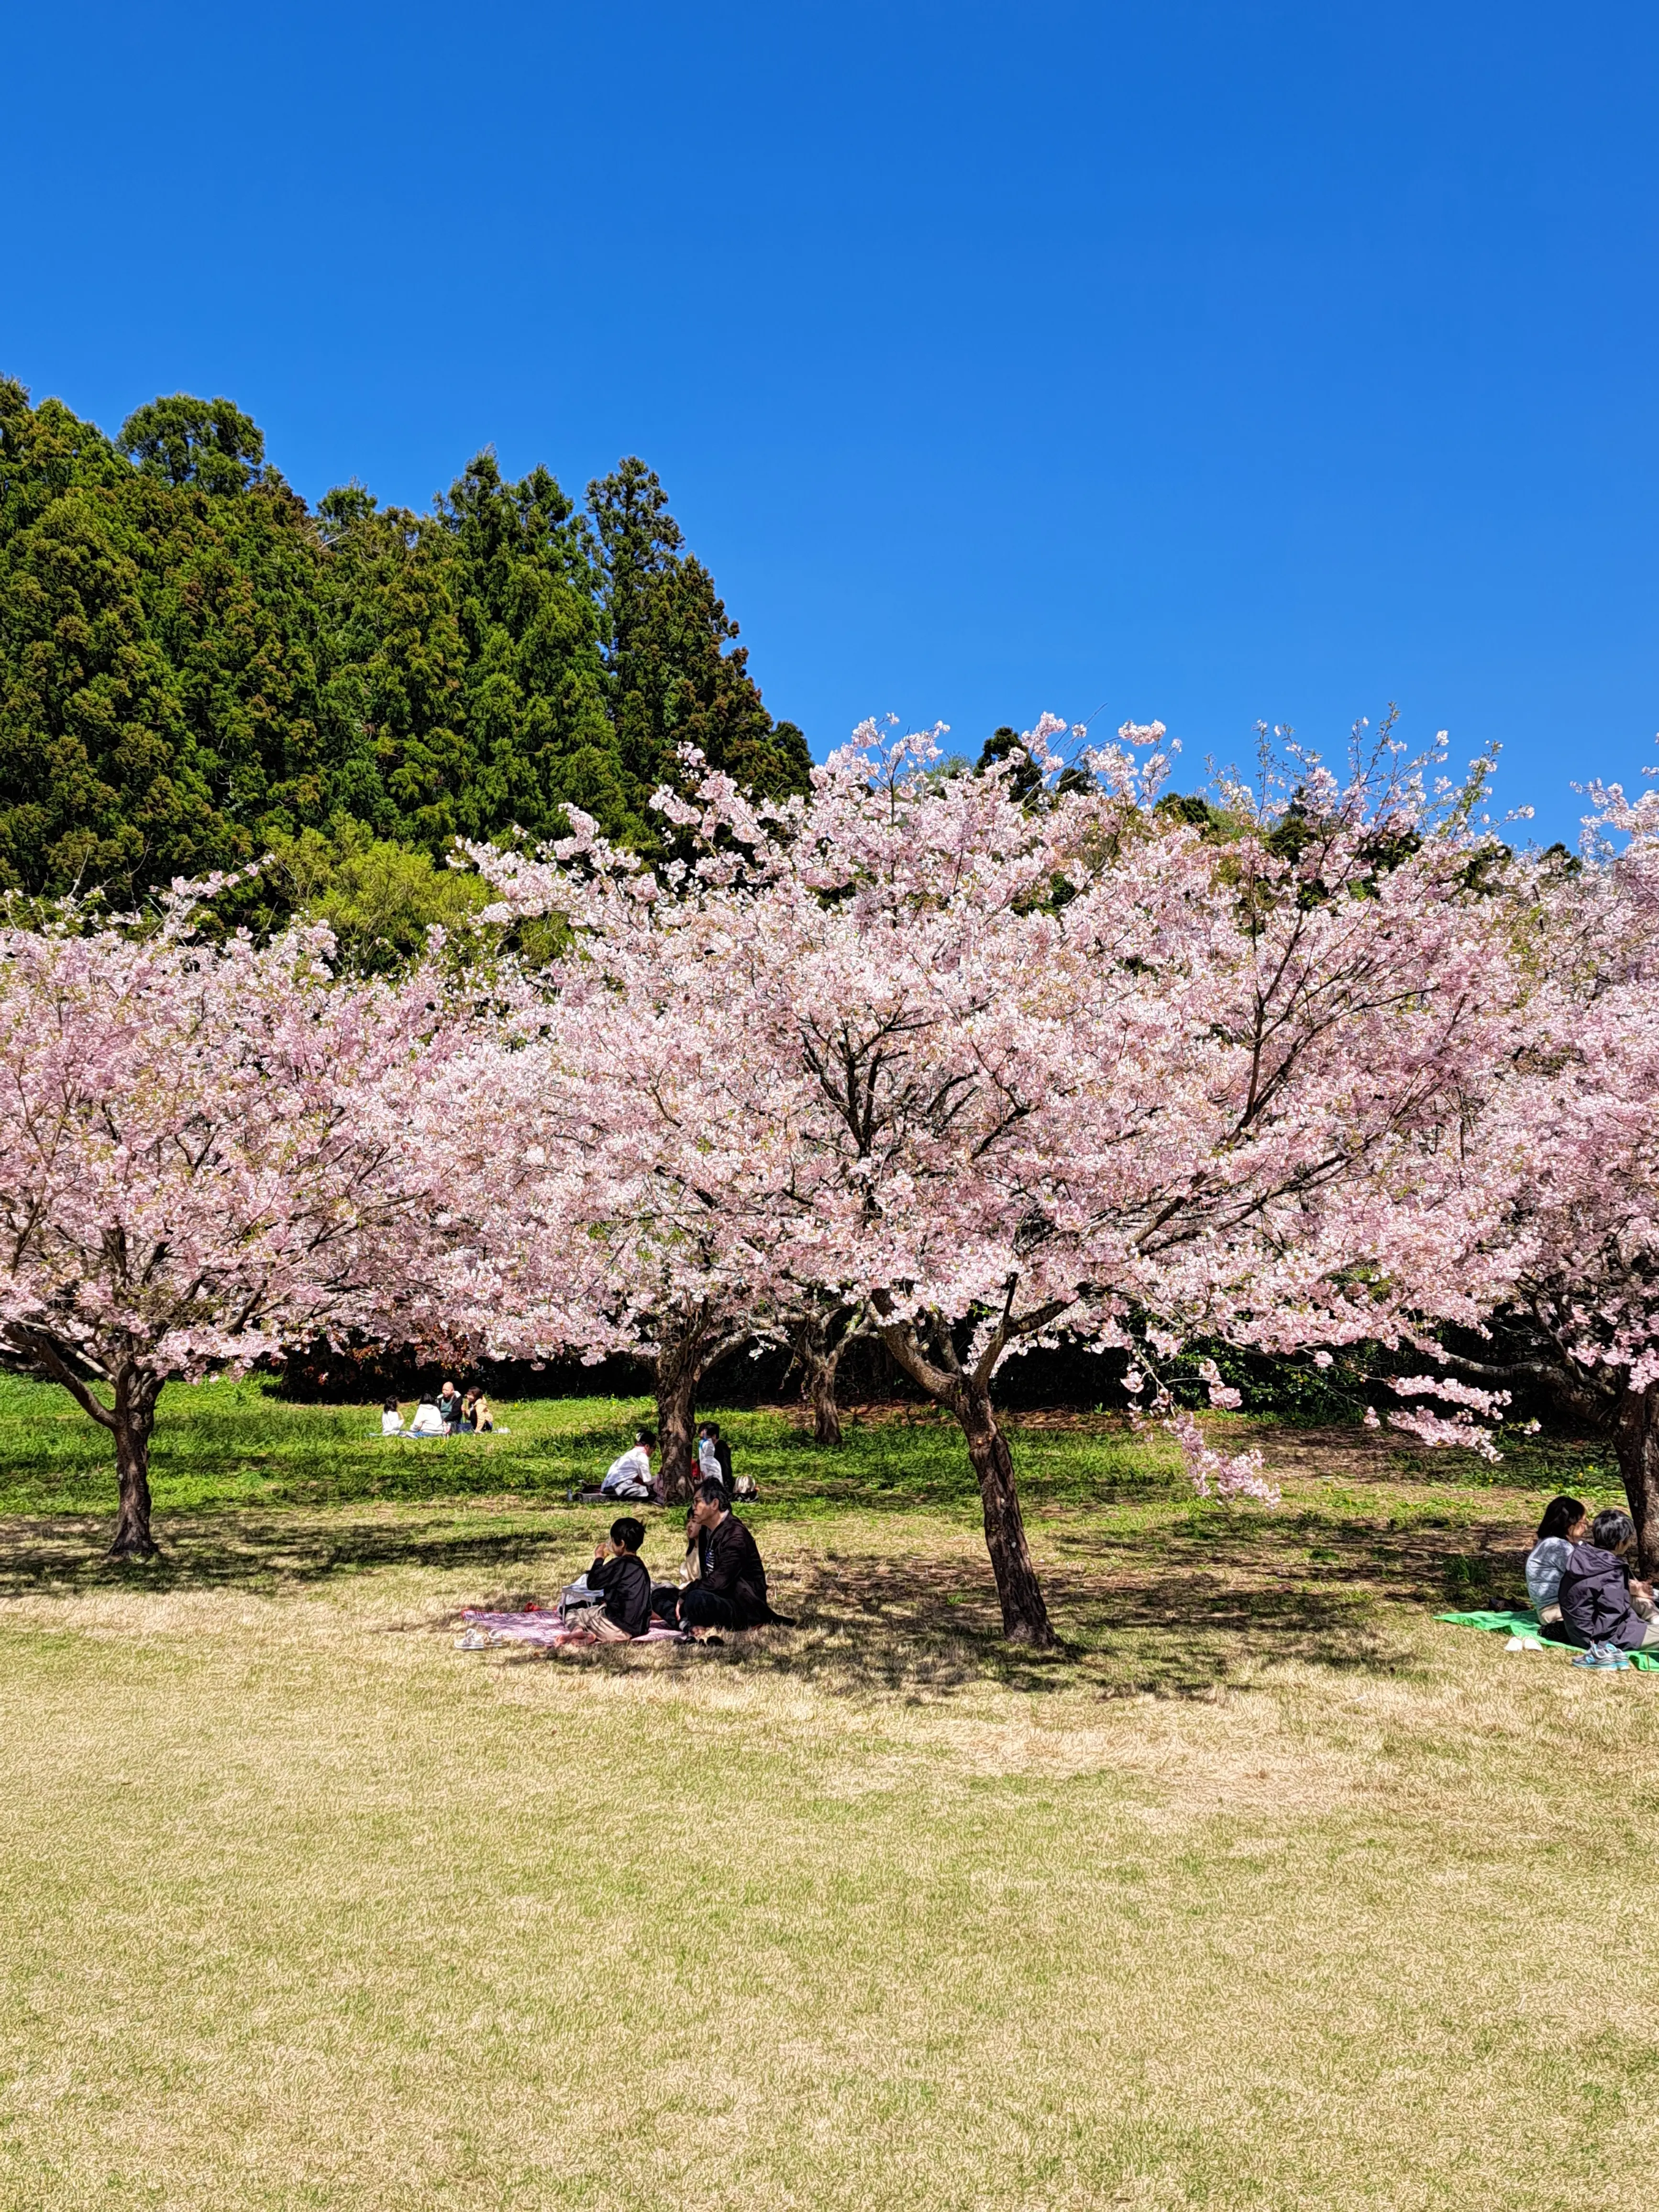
195,668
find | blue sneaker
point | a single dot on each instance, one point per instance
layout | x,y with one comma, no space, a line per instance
1603,1659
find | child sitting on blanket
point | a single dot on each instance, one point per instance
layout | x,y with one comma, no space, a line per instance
625,1581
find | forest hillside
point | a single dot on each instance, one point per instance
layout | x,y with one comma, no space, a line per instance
196,668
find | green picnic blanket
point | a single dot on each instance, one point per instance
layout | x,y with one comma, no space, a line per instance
1510,1623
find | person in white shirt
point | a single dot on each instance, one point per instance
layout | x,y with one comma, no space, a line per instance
427,1421
391,1421
630,1475
1564,1523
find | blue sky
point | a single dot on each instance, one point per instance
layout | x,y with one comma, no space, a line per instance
1209,363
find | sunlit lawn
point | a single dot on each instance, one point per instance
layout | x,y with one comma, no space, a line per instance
1266,1890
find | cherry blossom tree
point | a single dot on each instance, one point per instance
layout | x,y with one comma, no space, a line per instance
998,1066
630,1165
1569,1136
207,1152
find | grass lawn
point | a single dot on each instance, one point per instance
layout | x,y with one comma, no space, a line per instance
1265,1891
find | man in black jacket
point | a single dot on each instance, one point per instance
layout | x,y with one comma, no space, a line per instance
1594,1596
625,1581
730,1591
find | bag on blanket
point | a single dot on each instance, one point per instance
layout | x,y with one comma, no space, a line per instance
576,1599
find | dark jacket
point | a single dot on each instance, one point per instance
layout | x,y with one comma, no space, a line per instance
731,1568
1594,1601
449,1409
626,1587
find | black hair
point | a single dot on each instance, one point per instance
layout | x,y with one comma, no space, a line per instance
711,1428
390,1406
646,1436
1611,1529
1560,1514
627,1532
713,1492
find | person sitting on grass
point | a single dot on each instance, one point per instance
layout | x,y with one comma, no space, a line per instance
482,1416
630,1475
1597,1598
714,1455
449,1408
1566,1522
427,1421
391,1421
729,1590
619,1571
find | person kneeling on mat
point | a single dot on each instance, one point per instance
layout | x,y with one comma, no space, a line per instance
629,1476
619,1571
730,1591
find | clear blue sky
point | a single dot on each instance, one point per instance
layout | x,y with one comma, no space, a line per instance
1208,362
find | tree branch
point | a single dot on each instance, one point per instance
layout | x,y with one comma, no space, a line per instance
42,1349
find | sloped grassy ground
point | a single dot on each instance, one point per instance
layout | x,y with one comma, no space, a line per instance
1265,1891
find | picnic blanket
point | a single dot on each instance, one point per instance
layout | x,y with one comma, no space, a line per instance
542,1624
1508,1622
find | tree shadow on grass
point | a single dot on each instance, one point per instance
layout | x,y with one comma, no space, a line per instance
1184,1612
901,1626
266,1551
923,1628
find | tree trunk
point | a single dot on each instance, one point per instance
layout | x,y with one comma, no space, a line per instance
818,1388
1024,1615
1636,1439
680,1366
135,1419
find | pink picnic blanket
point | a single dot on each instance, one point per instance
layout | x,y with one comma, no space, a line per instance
538,1626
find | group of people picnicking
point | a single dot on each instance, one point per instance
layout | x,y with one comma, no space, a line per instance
451,1414
722,1583
1579,1580
628,1478
724,1586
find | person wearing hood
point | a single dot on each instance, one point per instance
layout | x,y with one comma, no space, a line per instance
1597,1598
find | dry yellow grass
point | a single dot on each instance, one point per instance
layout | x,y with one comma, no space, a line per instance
1269,1892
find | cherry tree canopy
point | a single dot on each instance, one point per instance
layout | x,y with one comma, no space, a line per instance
1002,1067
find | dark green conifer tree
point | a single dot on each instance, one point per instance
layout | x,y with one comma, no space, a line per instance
671,679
